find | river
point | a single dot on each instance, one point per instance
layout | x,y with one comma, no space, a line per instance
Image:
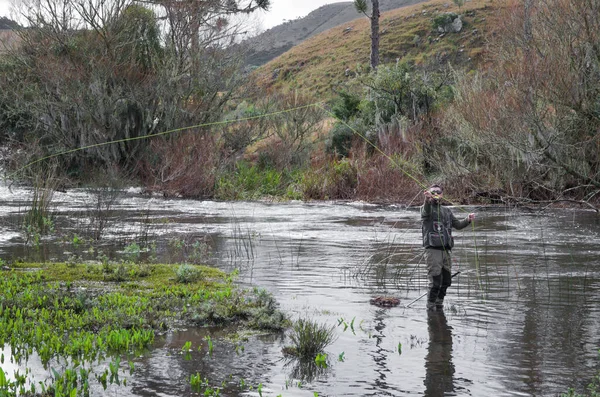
521,319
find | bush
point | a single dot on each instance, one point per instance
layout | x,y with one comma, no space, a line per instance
249,182
187,274
340,140
346,106
336,180
443,19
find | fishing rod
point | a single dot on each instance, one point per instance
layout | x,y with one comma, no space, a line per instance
455,274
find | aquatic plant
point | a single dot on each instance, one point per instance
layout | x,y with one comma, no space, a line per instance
43,312
321,360
38,220
208,340
310,338
202,385
592,390
188,274
132,252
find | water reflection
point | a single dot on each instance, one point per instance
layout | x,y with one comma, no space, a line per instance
527,320
380,355
439,368
306,371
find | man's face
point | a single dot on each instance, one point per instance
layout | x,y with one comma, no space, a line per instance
436,193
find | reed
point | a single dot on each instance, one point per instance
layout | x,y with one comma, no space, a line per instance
310,338
38,220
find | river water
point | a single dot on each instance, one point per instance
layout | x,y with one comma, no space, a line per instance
521,319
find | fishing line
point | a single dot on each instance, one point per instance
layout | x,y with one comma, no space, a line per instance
222,122
225,122
418,182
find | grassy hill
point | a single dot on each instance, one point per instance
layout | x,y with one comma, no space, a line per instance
277,40
325,61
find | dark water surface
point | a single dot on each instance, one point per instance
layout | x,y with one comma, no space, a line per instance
522,318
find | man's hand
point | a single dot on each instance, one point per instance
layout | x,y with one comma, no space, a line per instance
428,196
471,217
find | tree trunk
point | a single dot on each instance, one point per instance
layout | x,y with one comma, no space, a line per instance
375,35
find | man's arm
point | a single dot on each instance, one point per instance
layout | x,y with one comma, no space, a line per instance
462,223
426,207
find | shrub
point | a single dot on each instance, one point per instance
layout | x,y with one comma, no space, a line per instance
340,140
336,180
346,106
443,19
249,182
188,274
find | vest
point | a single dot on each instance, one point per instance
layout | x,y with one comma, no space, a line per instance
437,228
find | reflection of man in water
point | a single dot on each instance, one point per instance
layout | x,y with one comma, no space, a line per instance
439,370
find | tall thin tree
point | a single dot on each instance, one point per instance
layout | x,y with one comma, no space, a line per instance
361,6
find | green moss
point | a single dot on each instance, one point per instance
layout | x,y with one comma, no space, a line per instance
68,311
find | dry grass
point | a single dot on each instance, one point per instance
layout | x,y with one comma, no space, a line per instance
321,63
8,40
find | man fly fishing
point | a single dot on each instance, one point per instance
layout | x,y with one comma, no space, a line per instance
437,223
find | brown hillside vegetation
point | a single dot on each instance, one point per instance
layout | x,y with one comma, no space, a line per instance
331,58
8,40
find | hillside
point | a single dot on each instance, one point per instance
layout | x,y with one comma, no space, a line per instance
6,23
277,40
327,60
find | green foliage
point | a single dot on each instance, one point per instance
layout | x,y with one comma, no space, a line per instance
38,314
335,180
264,312
400,90
361,6
139,37
345,106
340,139
321,360
38,220
132,252
188,274
310,338
443,19
459,3
249,182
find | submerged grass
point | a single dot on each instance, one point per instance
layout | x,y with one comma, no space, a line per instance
68,313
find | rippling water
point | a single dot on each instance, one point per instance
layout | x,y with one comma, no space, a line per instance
522,317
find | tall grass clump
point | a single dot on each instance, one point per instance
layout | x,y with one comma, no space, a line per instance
38,218
310,338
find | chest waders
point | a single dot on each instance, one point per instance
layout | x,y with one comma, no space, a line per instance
437,224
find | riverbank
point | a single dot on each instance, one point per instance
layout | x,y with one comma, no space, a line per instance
83,313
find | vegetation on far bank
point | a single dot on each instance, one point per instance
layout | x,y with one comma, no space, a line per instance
503,111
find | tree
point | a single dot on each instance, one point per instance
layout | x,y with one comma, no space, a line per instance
6,23
534,121
361,6
92,71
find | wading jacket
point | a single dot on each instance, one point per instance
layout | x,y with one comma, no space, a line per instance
437,223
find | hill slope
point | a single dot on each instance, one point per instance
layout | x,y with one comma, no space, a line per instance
327,60
6,23
275,41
